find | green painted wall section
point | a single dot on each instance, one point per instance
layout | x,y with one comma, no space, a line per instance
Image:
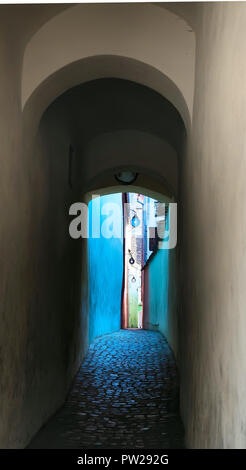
133,305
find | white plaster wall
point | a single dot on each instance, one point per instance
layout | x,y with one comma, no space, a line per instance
213,321
40,315
142,32
12,241
213,365
124,148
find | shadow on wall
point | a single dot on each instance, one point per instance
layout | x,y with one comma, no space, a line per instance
105,262
160,296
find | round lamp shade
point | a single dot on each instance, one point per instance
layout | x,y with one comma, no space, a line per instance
126,177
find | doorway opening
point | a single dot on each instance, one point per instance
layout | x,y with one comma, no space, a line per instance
131,279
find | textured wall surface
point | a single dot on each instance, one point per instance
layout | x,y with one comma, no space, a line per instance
41,314
160,302
105,272
155,36
213,365
40,334
15,218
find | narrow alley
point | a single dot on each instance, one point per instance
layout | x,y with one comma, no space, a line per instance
124,396
123,226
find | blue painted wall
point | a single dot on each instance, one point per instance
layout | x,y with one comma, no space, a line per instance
105,266
160,293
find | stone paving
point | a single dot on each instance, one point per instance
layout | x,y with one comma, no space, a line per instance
125,395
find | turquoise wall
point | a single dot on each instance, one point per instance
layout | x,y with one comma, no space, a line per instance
160,296
105,269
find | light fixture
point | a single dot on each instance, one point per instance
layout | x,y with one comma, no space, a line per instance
126,176
131,260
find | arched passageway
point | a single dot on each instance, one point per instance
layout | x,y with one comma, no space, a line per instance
117,124
83,121
126,393
81,100
85,136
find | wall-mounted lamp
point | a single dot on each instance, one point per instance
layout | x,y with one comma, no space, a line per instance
126,177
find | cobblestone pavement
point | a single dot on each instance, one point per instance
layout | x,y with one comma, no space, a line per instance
125,395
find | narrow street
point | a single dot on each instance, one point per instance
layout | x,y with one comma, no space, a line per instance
124,396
